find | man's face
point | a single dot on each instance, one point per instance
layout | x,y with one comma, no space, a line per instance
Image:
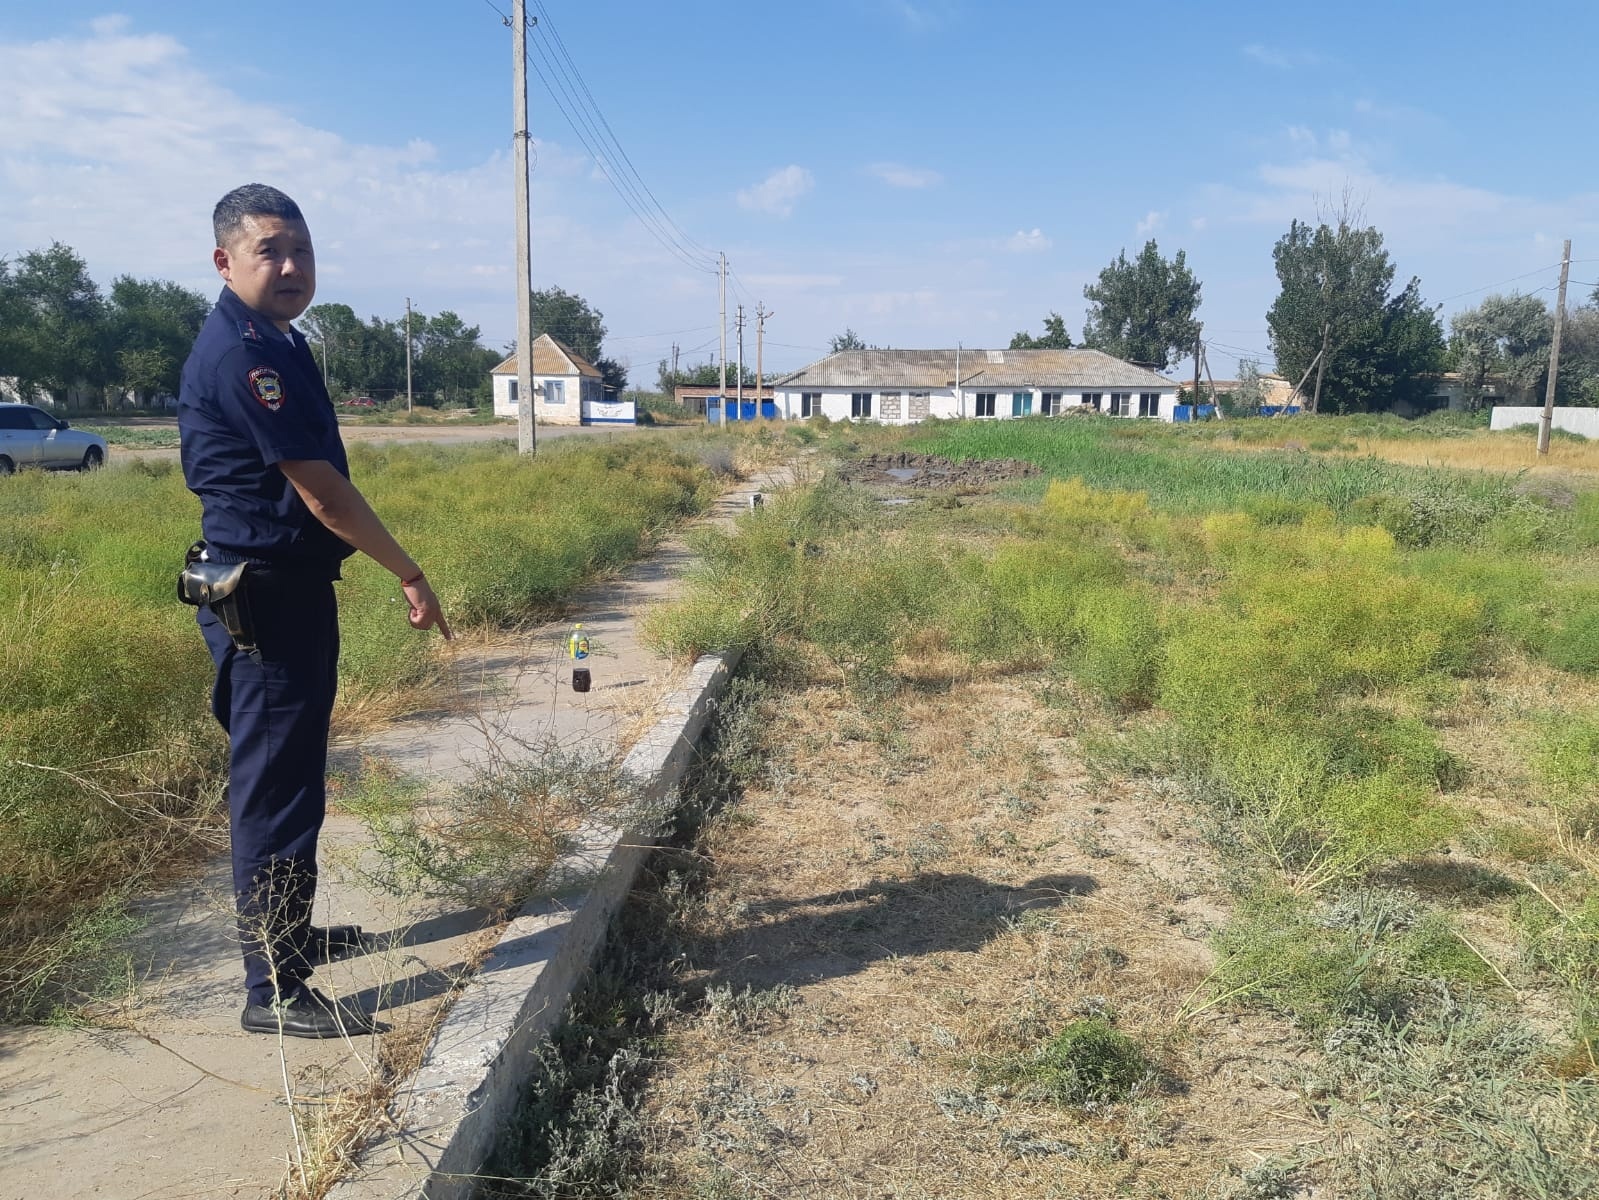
271,266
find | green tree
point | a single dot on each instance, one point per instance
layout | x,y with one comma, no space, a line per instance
61,337
848,340
568,318
1508,336
153,326
1334,286
707,374
1394,359
335,334
1054,336
13,320
1143,311
1579,358
451,364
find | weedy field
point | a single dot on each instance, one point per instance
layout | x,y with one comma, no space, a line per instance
1180,823
110,763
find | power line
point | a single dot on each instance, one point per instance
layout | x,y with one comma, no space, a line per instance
1501,283
581,118
646,218
657,225
560,45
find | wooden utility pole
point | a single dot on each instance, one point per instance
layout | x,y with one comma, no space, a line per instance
738,385
1298,387
1548,419
525,400
760,345
408,354
1321,366
721,289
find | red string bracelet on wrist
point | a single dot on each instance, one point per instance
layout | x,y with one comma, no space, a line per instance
414,580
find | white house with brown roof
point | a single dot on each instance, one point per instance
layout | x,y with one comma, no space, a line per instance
901,387
569,390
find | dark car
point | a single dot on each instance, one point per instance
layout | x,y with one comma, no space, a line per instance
31,437
360,402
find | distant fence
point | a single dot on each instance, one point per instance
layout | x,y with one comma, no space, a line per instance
1573,420
716,412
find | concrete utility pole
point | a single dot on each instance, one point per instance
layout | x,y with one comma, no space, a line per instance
408,354
721,398
739,384
1548,418
525,443
760,344
1193,411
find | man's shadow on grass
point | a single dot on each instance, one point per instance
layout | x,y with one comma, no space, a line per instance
799,941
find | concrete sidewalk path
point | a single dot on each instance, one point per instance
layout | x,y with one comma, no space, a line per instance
169,1098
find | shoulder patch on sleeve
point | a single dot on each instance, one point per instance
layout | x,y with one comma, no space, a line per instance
248,332
267,387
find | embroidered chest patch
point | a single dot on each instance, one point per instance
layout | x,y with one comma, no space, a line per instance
267,387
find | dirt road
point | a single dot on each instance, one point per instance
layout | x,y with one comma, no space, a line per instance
446,434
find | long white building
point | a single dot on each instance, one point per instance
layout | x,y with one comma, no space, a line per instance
901,387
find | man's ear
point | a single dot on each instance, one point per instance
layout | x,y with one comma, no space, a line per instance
219,259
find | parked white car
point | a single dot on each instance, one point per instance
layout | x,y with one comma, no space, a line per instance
31,437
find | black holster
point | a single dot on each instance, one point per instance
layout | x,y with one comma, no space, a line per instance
224,589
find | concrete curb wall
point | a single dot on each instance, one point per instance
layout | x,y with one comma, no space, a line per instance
1573,420
449,1115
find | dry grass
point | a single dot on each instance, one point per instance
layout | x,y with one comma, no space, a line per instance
1488,452
944,889
335,1118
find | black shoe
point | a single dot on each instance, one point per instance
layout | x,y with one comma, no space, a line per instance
308,1015
325,944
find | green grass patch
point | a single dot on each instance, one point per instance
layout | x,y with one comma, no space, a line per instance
1089,1061
139,437
110,762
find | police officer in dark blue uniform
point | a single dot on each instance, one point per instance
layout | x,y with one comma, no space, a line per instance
261,448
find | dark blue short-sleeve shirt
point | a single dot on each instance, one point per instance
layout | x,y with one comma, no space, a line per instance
251,397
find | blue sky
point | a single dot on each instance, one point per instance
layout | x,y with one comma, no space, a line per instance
924,171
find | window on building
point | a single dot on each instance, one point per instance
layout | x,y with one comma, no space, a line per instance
985,403
1094,400
555,391
1021,404
1051,404
1121,404
889,405
513,390
860,405
920,405
1149,404
810,404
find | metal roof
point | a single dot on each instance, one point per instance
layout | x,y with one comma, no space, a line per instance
551,356
979,369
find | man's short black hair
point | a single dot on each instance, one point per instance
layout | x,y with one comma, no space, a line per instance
251,200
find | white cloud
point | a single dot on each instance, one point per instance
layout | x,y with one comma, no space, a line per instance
1024,241
1198,224
1280,58
1455,236
118,142
900,176
795,281
778,192
922,16
1151,222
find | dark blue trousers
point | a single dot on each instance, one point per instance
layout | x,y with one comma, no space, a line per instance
276,713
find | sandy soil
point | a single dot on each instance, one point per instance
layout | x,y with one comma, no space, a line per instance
930,889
